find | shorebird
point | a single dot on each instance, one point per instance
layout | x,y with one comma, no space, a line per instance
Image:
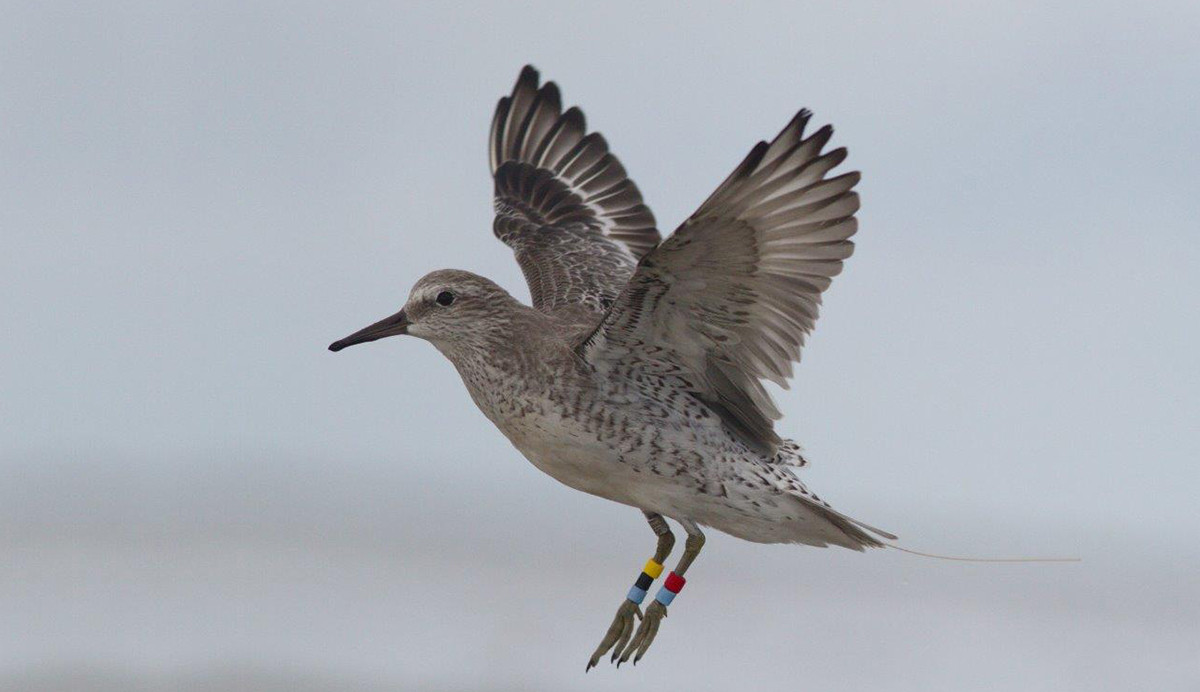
637,374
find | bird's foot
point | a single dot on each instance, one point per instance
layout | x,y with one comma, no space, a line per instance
618,633
641,641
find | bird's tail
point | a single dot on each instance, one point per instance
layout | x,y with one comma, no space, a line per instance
864,534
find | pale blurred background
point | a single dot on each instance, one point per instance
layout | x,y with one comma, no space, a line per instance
196,198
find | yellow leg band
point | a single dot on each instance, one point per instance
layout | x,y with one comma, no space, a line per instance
653,568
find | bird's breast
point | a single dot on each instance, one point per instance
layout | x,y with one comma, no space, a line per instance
611,437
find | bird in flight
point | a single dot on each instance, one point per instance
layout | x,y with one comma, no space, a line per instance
637,374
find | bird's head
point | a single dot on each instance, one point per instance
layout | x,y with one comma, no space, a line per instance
446,307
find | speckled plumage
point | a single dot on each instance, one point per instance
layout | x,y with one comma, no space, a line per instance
636,373
641,439
646,383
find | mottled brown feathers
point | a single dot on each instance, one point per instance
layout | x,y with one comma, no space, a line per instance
563,202
728,299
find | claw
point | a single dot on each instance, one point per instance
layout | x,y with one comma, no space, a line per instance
626,633
655,612
620,630
649,638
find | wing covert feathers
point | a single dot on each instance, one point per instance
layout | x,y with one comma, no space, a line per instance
563,201
728,300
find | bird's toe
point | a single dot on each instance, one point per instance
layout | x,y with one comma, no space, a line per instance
618,632
646,632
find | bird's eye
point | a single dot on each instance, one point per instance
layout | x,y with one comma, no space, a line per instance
444,298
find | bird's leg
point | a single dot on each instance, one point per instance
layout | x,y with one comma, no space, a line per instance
621,628
657,610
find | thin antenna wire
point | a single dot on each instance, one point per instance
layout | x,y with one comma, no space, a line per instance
985,559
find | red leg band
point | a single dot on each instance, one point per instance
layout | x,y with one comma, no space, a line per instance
674,583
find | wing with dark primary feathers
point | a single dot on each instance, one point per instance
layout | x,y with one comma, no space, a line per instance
729,298
563,203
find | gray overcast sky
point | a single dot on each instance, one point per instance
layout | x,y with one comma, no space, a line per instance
196,199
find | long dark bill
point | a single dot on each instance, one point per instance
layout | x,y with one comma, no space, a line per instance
388,326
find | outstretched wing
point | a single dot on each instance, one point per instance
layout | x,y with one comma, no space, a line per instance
563,202
729,298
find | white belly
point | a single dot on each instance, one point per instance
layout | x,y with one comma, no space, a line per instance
574,458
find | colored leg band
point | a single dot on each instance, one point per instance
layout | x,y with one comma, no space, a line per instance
670,588
637,592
